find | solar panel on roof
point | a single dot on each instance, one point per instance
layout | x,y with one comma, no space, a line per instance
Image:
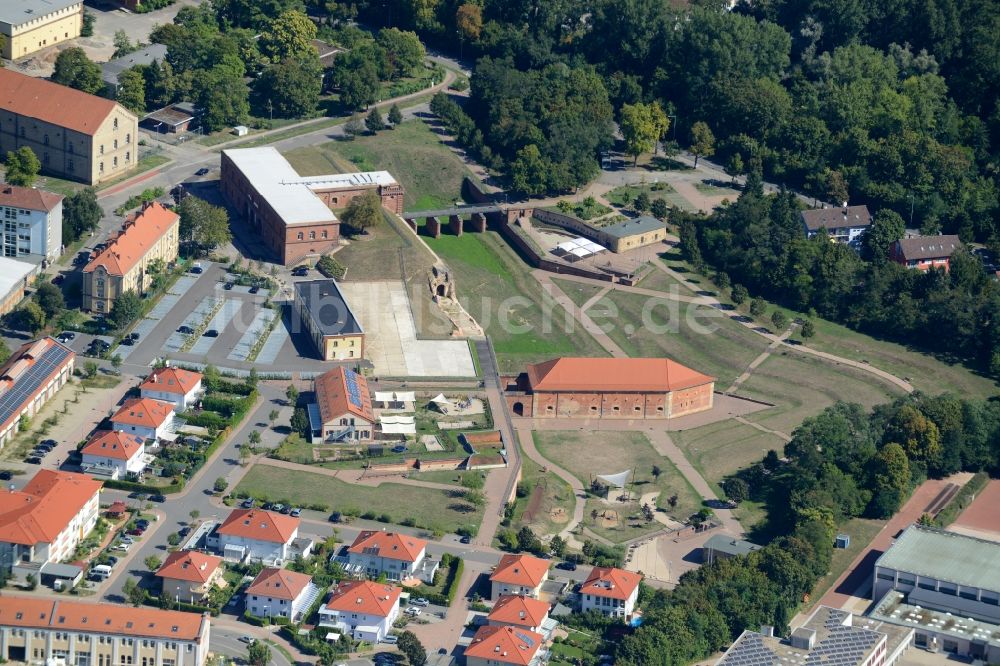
353,391
30,381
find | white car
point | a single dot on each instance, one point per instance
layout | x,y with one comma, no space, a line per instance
413,612
124,547
420,601
391,639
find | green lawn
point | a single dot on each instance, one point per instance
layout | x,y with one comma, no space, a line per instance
624,195
585,454
861,531
695,335
147,163
429,171
714,190
658,280
429,508
719,449
496,288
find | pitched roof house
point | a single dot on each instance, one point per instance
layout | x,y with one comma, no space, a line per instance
844,224
29,378
144,417
493,645
176,385
257,535
398,556
114,453
519,611
519,575
925,252
190,574
611,591
280,593
343,407
361,608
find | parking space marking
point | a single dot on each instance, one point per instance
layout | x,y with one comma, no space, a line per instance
279,336
246,344
193,320
219,323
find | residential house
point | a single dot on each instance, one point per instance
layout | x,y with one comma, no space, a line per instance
280,593
610,591
61,631
42,524
843,225
361,609
174,385
396,556
114,454
32,222
112,69
258,536
519,575
322,312
75,135
521,612
189,575
145,417
30,378
925,252
343,408
30,25
147,238
501,645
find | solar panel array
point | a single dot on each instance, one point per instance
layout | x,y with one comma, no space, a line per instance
524,638
30,381
839,645
750,651
353,391
844,646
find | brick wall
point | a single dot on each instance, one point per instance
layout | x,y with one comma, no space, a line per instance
623,405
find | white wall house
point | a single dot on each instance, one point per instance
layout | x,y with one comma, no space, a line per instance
30,222
398,556
519,575
114,454
257,536
280,593
180,387
361,609
612,592
144,417
189,575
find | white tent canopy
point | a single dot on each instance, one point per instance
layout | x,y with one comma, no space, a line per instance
440,399
617,480
395,396
579,247
398,425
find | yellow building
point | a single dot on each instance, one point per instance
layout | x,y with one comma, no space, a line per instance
151,235
634,233
74,135
30,25
322,312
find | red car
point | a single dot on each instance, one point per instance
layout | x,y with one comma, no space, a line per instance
136,531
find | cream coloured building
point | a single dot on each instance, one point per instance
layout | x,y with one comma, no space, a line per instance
30,25
151,235
75,135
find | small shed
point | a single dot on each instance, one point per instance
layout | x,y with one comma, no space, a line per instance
117,509
842,541
241,130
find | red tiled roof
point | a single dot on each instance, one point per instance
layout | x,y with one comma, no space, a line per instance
143,412
260,525
610,582
113,444
279,584
519,610
334,397
16,368
523,570
43,509
77,616
364,596
171,380
637,375
509,645
67,107
189,565
28,198
134,240
392,545
117,507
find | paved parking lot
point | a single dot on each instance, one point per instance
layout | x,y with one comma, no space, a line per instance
165,305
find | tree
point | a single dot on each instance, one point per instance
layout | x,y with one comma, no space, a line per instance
808,329
363,212
918,435
702,142
90,369
173,538
374,122
660,209
469,21
132,90
292,394
735,166
739,294
29,317
557,546
135,594
205,225
395,115
403,51
87,26
357,78
779,320
254,437
642,202
220,484
123,45
127,308
116,363
193,514
153,563
355,126
892,480
272,416
529,171
4,352
642,125
258,654
887,227
22,167
50,298
736,489
244,454
290,88
289,36
300,422
758,307
836,187
411,646
74,69
222,96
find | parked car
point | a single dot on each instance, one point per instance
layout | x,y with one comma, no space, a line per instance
300,271
197,269
157,498
391,639
228,286
247,503
247,639
419,601
465,539
566,566
128,342
133,336
296,512
34,460
280,508
413,612
59,279
66,336
125,538
124,547
210,333
135,531
186,330
6,475
201,172
142,523
254,289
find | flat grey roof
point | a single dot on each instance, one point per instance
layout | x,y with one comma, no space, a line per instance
895,608
327,307
16,12
12,273
144,56
730,546
639,225
946,556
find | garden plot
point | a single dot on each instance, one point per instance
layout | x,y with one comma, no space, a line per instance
243,349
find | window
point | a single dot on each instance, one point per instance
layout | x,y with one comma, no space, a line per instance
128,138
100,167
925,585
45,139
300,236
128,156
69,148
102,149
115,123
114,163
884,576
324,233
116,144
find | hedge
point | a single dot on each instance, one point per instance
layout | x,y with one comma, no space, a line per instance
135,486
455,567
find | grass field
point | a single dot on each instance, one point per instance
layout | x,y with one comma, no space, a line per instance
430,172
719,449
658,280
557,499
862,531
662,327
801,386
715,190
585,454
428,507
525,324
624,195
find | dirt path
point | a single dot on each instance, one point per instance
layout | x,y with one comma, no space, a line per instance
764,355
353,476
544,278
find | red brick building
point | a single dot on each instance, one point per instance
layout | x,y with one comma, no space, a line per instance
609,388
293,213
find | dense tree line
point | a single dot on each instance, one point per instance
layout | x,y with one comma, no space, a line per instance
843,463
758,244
893,104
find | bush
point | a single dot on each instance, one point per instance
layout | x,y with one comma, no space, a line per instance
330,267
